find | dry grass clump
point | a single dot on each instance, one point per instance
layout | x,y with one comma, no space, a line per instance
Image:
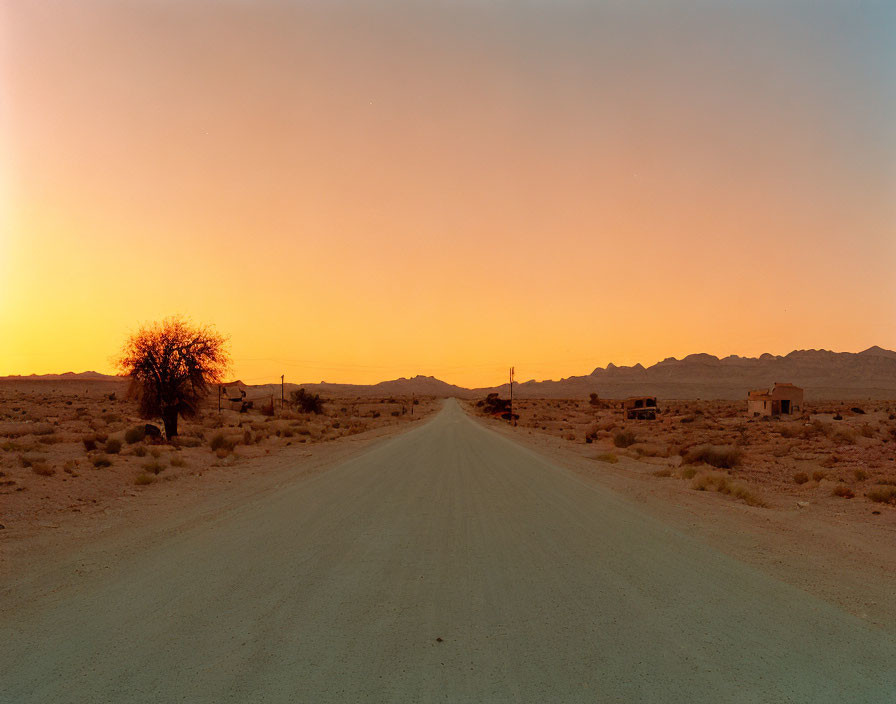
178,461
818,475
624,438
721,456
717,481
135,434
144,479
113,446
607,457
101,461
860,475
42,469
153,466
219,442
884,495
843,491
89,443
800,477
664,472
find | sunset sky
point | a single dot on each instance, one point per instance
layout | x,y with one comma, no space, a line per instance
355,191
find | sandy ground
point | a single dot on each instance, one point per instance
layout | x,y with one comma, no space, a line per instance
447,563
65,449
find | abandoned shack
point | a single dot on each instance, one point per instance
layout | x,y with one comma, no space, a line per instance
783,399
640,408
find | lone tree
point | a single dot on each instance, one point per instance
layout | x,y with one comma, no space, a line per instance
171,365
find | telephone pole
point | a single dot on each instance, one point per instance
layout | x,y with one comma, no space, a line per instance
512,421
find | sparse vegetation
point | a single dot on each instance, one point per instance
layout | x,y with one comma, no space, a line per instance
843,491
800,477
723,457
144,479
607,457
113,446
624,438
135,434
883,495
101,461
307,402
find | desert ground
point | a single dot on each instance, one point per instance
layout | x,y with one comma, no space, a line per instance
78,447
449,562
834,456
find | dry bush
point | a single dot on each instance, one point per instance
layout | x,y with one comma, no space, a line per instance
144,479
624,438
717,481
42,469
219,442
818,475
222,452
860,475
721,456
101,461
153,466
113,446
884,495
800,477
178,461
89,443
843,491
139,451
135,434
607,457
844,436
664,472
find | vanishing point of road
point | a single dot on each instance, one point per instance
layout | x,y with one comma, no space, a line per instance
446,564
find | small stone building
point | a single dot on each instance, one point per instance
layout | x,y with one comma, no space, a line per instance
782,400
640,408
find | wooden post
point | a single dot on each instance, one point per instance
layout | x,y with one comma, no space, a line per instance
512,422
282,392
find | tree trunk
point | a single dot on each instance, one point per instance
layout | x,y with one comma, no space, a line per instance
169,418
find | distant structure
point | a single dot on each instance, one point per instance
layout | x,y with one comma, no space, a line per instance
640,408
235,397
782,400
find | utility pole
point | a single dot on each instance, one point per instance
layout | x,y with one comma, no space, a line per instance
282,391
512,421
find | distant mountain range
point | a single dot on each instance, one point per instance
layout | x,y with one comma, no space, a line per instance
822,373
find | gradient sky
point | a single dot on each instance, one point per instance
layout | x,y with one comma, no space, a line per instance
355,191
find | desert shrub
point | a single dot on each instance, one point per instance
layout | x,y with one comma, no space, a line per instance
721,456
860,475
688,472
791,430
222,452
113,446
153,466
187,441
843,491
139,451
135,434
42,469
800,477
29,460
884,495
844,436
624,438
178,461
866,431
144,479
307,402
248,438
219,442
717,481
818,475
10,446
101,461
89,444
665,472
607,457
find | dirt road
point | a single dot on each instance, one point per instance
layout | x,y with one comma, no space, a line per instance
446,564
